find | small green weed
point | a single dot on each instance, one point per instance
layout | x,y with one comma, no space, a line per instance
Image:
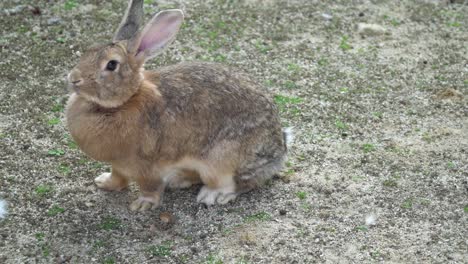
70,4
53,121
322,62
39,236
262,46
361,228
454,24
55,210
407,204
57,108
64,169
110,223
390,183
344,45
284,100
56,152
292,67
43,190
301,195
60,40
377,114
162,250
109,260
213,259
340,125
368,147
344,90
261,216
465,209
451,165
290,85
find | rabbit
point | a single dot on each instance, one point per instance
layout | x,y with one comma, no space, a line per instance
180,125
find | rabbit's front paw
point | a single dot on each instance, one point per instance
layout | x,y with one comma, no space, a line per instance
210,196
110,182
144,203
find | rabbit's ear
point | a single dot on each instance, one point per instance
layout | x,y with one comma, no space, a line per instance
157,34
131,22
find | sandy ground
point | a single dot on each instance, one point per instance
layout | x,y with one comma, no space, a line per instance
378,171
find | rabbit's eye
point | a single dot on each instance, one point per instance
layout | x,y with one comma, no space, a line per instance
111,65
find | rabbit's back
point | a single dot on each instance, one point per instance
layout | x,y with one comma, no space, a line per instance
216,95
208,105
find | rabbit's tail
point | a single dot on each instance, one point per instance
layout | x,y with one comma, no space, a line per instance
288,136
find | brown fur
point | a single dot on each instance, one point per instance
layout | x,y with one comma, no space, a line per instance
179,125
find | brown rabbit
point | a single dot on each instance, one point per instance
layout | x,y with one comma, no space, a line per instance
183,124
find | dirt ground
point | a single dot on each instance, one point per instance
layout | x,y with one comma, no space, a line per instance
378,170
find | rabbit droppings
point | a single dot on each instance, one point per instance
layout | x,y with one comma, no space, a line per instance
177,126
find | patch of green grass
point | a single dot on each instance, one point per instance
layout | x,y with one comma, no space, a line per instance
262,46
340,125
55,210
43,190
307,207
454,24
377,114
290,85
162,250
109,260
284,100
45,250
322,62
390,183
361,228
148,2
56,152
407,204
57,108
344,90
70,143
53,121
427,137
451,165
40,236
64,169
344,45
395,22
269,83
368,147
375,254
220,58
357,178
292,67
242,260
60,40
99,244
70,4
301,195
261,216
285,104
110,223
213,259
465,209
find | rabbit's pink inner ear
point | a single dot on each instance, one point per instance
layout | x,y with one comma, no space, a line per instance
159,32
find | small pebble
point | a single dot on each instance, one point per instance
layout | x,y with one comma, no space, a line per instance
54,21
166,217
327,16
282,212
370,29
